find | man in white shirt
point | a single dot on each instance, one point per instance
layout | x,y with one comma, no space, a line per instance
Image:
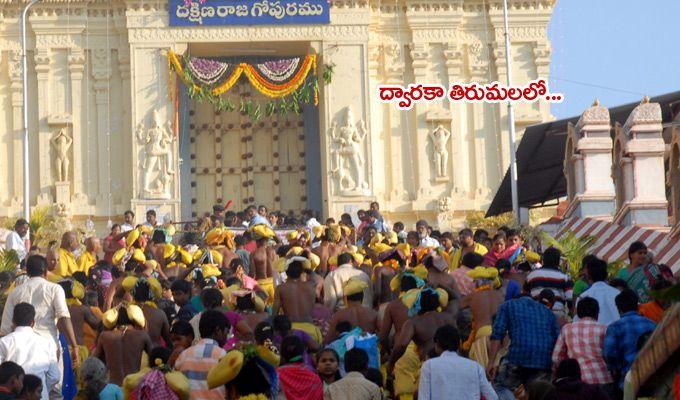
335,280
442,377
601,291
35,353
425,239
129,223
17,239
49,301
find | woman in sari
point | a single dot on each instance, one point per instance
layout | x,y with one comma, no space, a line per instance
637,256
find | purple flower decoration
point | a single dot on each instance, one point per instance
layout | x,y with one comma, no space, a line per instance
279,70
207,71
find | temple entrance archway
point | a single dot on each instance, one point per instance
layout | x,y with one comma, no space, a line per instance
273,161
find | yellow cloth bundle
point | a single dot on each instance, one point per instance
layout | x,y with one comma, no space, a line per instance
354,286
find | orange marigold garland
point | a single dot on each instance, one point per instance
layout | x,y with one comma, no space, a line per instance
279,90
229,82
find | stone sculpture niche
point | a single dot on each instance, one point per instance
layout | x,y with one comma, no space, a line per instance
347,160
157,165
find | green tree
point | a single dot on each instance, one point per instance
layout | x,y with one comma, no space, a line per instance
9,259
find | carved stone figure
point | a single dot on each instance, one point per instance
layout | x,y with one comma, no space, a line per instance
440,137
347,162
62,143
157,165
444,205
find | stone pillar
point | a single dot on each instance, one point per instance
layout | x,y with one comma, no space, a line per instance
125,134
380,149
125,131
101,70
16,85
396,136
587,165
640,154
478,62
44,164
460,156
423,165
76,66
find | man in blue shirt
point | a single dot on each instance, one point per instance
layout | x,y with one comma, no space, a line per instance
533,331
622,337
254,218
181,293
375,220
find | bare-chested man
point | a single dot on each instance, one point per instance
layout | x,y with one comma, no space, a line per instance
312,276
80,314
438,277
156,320
329,247
121,347
396,314
227,255
251,308
391,262
484,303
415,341
296,299
176,262
262,265
156,247
220,240
354,313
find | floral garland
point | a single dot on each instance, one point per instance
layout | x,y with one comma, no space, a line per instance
291,81
279,71
207,71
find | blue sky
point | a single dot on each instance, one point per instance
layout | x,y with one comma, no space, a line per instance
627,45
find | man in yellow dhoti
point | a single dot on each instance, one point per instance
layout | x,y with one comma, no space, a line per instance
262,260
296,297
415,340
484,303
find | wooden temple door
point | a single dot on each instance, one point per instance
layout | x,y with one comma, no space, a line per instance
250,163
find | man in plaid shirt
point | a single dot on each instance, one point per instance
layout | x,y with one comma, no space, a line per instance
197,360
583,340
622,337
533,330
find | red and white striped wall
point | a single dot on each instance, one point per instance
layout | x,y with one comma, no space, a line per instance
613,240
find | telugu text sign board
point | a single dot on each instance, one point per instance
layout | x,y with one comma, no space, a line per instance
248,12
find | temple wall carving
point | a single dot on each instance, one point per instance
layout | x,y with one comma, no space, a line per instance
97,72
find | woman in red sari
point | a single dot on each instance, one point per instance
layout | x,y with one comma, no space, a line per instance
298,381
